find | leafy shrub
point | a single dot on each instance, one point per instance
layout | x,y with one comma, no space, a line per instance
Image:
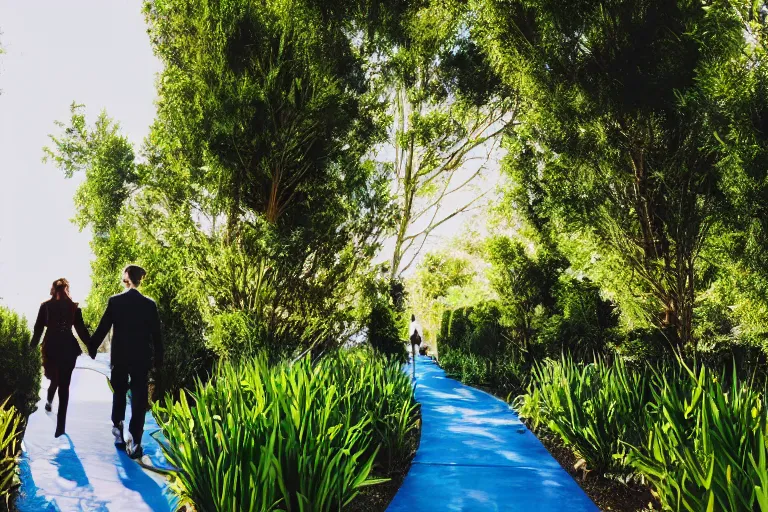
459,328
719,342
578,323
594,408
466,367
10,430
485,336
641,348
507,376
20,366
745,353
185,360
477,349
706,449
186,357
525,284
503,376
476,329
387,399
383,334
712,322
445,325
579,327
234,334
308,435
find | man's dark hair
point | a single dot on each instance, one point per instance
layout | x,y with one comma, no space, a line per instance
135,274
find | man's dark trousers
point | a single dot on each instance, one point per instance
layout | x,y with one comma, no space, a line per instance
135,322
135,378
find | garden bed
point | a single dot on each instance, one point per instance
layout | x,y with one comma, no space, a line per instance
376,498
607,494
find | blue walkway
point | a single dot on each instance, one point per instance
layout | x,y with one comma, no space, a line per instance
83,471
476,455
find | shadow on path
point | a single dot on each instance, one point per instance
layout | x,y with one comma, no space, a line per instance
83,471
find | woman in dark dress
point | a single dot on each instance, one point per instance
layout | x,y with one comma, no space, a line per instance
60,348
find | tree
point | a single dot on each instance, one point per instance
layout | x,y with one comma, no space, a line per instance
522,282
109,163
740,240
447,113
251,204
267,113
616,147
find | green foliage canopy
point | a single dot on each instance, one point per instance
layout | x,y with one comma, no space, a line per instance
616,145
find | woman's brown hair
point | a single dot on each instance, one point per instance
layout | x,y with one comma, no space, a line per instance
60,290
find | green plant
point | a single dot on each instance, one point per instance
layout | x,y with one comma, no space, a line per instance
292,438
582,325
486,337
508,376
20,366
465,366
445,323
459,328
385,395
593,408
640,348
383,334
10,428
706,447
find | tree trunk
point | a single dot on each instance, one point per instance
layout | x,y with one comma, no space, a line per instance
409,190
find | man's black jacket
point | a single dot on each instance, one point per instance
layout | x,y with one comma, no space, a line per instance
136,330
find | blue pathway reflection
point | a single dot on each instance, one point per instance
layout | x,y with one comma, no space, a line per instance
476,455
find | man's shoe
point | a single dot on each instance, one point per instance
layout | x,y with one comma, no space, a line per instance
117,431
48,406
134,451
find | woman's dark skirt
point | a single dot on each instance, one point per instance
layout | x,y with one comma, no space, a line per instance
59,352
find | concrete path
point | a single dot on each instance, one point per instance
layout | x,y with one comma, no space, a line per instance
476,455
83,471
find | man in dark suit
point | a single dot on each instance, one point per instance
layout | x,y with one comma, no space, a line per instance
136,330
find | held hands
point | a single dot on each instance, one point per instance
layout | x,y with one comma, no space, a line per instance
91,349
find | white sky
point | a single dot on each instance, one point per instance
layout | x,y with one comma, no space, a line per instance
95,52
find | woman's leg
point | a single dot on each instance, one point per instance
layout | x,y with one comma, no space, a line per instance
65,377
53,373
52,390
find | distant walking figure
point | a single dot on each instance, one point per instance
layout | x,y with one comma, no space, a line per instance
415,342
415,336
136,325
60,348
